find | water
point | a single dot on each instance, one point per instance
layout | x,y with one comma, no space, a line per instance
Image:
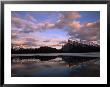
55,65
90,54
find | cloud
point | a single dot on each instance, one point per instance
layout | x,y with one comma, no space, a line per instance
62,42
72,15
31,18
49,25
54,45
24,41
75,24
28,26
18,22
92,24
29,40
54,42
68,19
14,34
46,41
18,42
22,30
90,31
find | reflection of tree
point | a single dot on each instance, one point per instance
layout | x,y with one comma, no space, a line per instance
42,58
74,60
69,47
69,60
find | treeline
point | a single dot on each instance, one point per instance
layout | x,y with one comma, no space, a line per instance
44,49
70,47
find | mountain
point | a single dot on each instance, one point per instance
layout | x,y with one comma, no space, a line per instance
75,46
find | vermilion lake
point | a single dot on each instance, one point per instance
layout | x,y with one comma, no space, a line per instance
56,65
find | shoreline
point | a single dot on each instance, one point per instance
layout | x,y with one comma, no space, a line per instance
91,54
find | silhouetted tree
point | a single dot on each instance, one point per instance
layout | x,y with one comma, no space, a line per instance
69,47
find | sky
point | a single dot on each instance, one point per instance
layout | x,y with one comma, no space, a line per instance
33,29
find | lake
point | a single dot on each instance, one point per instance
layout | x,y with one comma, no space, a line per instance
56,65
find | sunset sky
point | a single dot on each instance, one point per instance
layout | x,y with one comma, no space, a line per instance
53,28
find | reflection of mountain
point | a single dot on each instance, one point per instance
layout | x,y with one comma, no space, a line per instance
69,47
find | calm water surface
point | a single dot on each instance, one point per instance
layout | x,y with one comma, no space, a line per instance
54,65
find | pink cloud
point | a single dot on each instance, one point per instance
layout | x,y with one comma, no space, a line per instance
92,24
72,15
68,19
28,40
31,18
89,31
13,35
21,23
75,24
54,45
31,26
49,25
18,42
